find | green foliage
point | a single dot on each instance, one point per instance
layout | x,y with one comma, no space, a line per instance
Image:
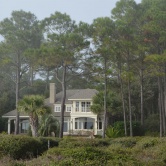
48,124
152,124
48,142
82,142
34,106
19,146
137,128
112,132
148,142
80,156
112,101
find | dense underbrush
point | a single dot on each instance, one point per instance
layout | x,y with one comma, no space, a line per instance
126,151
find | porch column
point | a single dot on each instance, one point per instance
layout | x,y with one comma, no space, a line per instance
9,126
95,127
20,121
73,125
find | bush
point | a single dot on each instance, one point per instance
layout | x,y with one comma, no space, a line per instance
48,142
137,128
113,132
82,142
19,146
79,156
152,124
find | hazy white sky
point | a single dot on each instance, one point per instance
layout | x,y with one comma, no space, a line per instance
79,10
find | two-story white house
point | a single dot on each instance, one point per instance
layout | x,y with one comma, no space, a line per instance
78,118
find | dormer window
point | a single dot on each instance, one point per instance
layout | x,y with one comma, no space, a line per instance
68,109
57,108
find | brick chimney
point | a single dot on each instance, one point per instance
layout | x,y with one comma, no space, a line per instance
52,93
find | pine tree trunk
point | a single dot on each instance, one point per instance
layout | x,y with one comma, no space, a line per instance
159,105
129,97
17,95
63,101
123,103
105,98
142,105
162,108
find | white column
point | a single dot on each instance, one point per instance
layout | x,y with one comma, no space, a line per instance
79,106
9,128
95,127
73,125
20,126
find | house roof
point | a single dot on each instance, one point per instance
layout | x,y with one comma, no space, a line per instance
76,94
85,94
13,114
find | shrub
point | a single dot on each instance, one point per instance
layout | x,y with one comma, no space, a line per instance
147,142
127,142
19,146
82,142
152,124
48,142
137,128
112,132
79,156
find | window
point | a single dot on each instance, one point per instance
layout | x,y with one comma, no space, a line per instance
65,127
77,106
57,109
85,106
24,126
99,124
68,109
84,123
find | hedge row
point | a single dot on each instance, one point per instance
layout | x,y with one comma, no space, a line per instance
23,147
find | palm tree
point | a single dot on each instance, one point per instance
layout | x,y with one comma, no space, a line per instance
34,106
48,124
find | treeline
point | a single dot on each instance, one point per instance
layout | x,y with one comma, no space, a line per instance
123,56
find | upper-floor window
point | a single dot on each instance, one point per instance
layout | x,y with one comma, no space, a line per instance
77,106
68,109
85,106
57,108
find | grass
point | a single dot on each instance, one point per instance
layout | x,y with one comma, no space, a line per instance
126,151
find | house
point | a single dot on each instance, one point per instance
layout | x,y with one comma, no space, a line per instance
78,118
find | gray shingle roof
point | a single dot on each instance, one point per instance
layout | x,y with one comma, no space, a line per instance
84,94
13,114
76,94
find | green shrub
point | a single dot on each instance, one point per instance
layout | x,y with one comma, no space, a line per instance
147,142
19,146
82,142
113,132
127,142
137,128
79,156
48,142
152,124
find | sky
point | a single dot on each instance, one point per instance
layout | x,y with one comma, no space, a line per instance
78,10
